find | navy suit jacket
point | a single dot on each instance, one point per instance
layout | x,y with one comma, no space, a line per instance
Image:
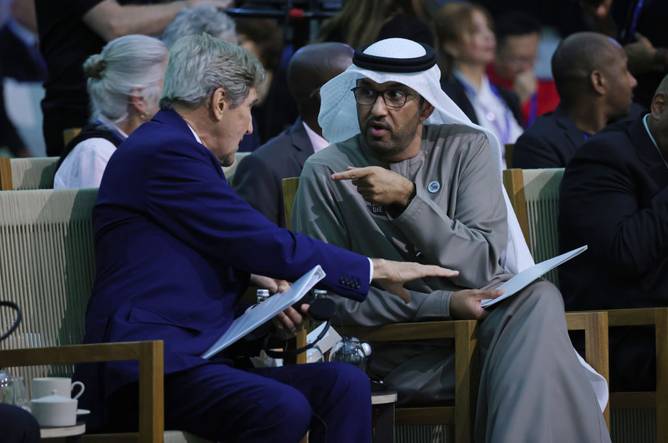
550,142
614,197
174,246
258,177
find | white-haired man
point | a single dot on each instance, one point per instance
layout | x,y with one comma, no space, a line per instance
400,184
175,246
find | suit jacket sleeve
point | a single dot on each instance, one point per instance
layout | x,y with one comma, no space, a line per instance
187,195
317,214
534,152
600,204
255,181
478,228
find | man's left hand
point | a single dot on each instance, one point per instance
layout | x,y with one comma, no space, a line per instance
272,284
289,320
379,186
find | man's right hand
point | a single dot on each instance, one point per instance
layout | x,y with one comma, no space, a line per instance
465,304
391,275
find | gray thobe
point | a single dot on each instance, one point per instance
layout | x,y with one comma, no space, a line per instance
532,387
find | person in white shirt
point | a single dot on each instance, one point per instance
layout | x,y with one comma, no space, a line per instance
124,83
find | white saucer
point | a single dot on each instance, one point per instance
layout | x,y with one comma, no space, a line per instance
83,411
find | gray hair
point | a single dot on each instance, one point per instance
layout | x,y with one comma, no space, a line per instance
126,66
202,19
199,64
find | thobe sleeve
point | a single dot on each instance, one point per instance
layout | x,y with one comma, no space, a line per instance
317,213
474,238
188,196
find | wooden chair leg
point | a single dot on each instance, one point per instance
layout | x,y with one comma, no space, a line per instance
465,380
596,348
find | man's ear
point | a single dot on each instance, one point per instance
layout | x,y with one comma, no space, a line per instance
598,82
426,110
658,105
217,104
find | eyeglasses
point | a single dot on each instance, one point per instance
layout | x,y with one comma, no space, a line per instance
394,98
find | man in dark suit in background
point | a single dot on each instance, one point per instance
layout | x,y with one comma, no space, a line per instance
595,87
614,197
258,177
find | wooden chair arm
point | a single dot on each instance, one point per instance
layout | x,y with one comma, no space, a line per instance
149,354
636,316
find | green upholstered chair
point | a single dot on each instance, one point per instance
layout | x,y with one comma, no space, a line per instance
534,194
27,173
47,267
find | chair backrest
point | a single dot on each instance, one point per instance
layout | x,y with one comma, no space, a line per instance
534,194
290,185
230,170
20,174
47,267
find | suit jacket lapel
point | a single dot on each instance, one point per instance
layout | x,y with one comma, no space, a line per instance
648,153
300,142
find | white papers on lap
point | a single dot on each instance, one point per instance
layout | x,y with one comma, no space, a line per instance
526,277
261,313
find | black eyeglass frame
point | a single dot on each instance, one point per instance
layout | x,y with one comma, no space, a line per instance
407,96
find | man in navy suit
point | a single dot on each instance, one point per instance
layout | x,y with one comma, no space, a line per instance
259,175
614,197
175,247
595,87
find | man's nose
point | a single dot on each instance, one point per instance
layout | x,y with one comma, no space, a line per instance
634,82
249,129
379,107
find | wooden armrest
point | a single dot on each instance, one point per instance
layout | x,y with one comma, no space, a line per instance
636,316
149,354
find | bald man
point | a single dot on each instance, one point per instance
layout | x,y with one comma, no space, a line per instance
595,88
614,197
258,177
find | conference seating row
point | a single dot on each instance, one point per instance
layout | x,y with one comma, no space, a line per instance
47,267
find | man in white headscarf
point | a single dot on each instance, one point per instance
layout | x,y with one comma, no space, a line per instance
410,178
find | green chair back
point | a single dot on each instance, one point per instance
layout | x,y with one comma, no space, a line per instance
534,194
20,174
46,267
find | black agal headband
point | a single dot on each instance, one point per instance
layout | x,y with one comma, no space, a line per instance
391,64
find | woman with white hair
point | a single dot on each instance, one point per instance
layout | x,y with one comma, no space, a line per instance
201,19
124,84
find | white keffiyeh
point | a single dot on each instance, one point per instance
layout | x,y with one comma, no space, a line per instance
338,120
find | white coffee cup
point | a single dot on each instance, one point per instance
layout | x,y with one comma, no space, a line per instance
44,386
54,410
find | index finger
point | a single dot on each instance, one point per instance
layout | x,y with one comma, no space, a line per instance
352,173
437,271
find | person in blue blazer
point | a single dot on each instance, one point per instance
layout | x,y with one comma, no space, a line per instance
175,246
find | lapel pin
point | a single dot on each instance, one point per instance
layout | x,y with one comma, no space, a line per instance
433,187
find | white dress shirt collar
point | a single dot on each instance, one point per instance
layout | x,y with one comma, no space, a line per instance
317,141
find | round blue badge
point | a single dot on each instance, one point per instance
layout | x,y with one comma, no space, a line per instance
434,187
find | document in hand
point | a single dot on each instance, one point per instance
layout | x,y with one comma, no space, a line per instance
259,314
524,278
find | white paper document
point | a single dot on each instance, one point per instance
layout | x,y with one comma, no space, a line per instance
259,314
526,277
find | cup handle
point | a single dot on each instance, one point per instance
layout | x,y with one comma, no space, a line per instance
81,385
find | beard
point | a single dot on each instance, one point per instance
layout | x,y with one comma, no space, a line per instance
392,143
